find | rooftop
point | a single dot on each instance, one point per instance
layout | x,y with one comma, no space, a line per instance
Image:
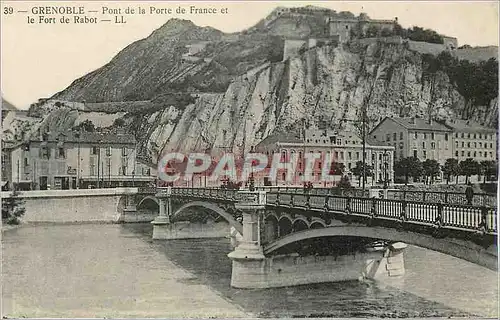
468,126
279,137
414,123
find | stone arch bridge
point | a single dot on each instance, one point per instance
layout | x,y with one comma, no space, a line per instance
291,238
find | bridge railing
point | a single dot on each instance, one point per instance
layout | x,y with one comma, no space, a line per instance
479,199
451,216
438,214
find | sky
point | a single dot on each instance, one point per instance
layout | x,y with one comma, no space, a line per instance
39,60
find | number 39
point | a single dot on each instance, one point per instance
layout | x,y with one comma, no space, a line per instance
8,10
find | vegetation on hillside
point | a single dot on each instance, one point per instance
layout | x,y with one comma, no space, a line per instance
415,33
476,82
13,208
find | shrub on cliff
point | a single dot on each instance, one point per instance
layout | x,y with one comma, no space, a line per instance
12,208
477,82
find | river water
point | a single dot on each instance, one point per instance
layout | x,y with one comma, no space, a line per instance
109,270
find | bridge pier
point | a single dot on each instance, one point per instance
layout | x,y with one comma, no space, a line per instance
392,263
248,257
252,269
129,210
161,224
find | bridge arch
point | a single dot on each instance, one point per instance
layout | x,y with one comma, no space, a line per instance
148,199
214,208
462,249
316,224
300,223
285,225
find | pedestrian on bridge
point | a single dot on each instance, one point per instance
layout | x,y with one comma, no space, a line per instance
469,194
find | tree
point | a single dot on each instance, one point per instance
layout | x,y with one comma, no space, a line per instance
488,168
451,168
408,167
430,169
119,122
358,171
372,31
386,32
87,126
337,169
12,208
469,167
344,183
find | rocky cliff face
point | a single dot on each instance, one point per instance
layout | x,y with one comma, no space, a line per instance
325,86
242,92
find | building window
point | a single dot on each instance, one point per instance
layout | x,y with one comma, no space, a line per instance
462,135
463,144
349,155
475,155
474,136
394,136
26,162
468,154
463,153
416,135
424,154
480,144
342,155
401,136
124,170
433,145
480,136
456,144
480,153
357,155
468,135
491,145
45,153
319,164
425,135
456,153
475,145
124,152
93,151
456,135
388,137
468,144
415,154
445,137
374,137
432,135
108,151
423,144
60,153
491,154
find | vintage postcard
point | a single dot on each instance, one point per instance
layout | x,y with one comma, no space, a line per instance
252,159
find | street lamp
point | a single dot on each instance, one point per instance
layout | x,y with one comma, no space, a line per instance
373,170
386,164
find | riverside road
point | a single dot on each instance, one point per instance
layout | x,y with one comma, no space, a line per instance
111,270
